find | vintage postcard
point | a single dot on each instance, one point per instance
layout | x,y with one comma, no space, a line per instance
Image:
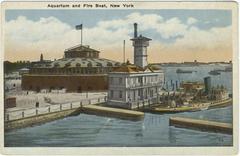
119,77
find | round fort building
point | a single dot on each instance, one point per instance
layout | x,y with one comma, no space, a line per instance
80,70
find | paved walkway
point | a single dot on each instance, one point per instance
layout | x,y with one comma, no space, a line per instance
29,112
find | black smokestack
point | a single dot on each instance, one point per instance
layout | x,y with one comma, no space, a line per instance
135,30
208,86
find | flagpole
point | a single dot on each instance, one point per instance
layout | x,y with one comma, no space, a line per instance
123,51
81,35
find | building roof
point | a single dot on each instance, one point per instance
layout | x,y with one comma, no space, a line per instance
81,48
131,68
141,38
153,67
128,69
79,62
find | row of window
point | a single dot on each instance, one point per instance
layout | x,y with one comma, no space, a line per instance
140,93
70,70
144,80
81,54
89,64
141,80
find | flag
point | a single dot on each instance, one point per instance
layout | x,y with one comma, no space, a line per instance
79,27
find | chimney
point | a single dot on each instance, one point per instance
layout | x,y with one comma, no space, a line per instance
207,83
41,58
135,30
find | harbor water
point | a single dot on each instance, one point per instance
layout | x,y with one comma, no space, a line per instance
154,130
198,74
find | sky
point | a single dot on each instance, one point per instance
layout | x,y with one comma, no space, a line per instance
177,35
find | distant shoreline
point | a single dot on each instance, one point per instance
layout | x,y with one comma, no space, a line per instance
186,64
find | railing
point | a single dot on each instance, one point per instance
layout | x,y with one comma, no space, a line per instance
222,100
24,113
139,85
144,102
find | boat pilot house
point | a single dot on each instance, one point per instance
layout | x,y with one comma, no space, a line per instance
81,69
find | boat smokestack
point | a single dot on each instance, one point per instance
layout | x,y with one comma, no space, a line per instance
135,30
207,83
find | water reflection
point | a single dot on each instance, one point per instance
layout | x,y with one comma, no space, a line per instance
171,136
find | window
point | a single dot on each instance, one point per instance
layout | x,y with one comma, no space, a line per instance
134,95
99,64
140,80
89,64
68,64
78,65
109,64
111,80
111,93
120,94
56,65
120,80
151,93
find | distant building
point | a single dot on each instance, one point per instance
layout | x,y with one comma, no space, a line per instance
40,62
23,71
132,86
80,70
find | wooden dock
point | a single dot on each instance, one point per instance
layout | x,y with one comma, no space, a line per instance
203,125
113,112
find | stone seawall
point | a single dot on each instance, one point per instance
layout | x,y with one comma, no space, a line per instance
88,109
113,112
202,125
39,119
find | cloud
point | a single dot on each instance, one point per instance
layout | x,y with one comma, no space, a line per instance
26,39
191,21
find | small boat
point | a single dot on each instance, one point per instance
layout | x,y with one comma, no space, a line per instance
214,72
204,107
183,71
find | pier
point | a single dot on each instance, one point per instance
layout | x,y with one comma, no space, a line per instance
113,112
32,116
203,125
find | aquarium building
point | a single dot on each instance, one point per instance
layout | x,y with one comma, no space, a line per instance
81,69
